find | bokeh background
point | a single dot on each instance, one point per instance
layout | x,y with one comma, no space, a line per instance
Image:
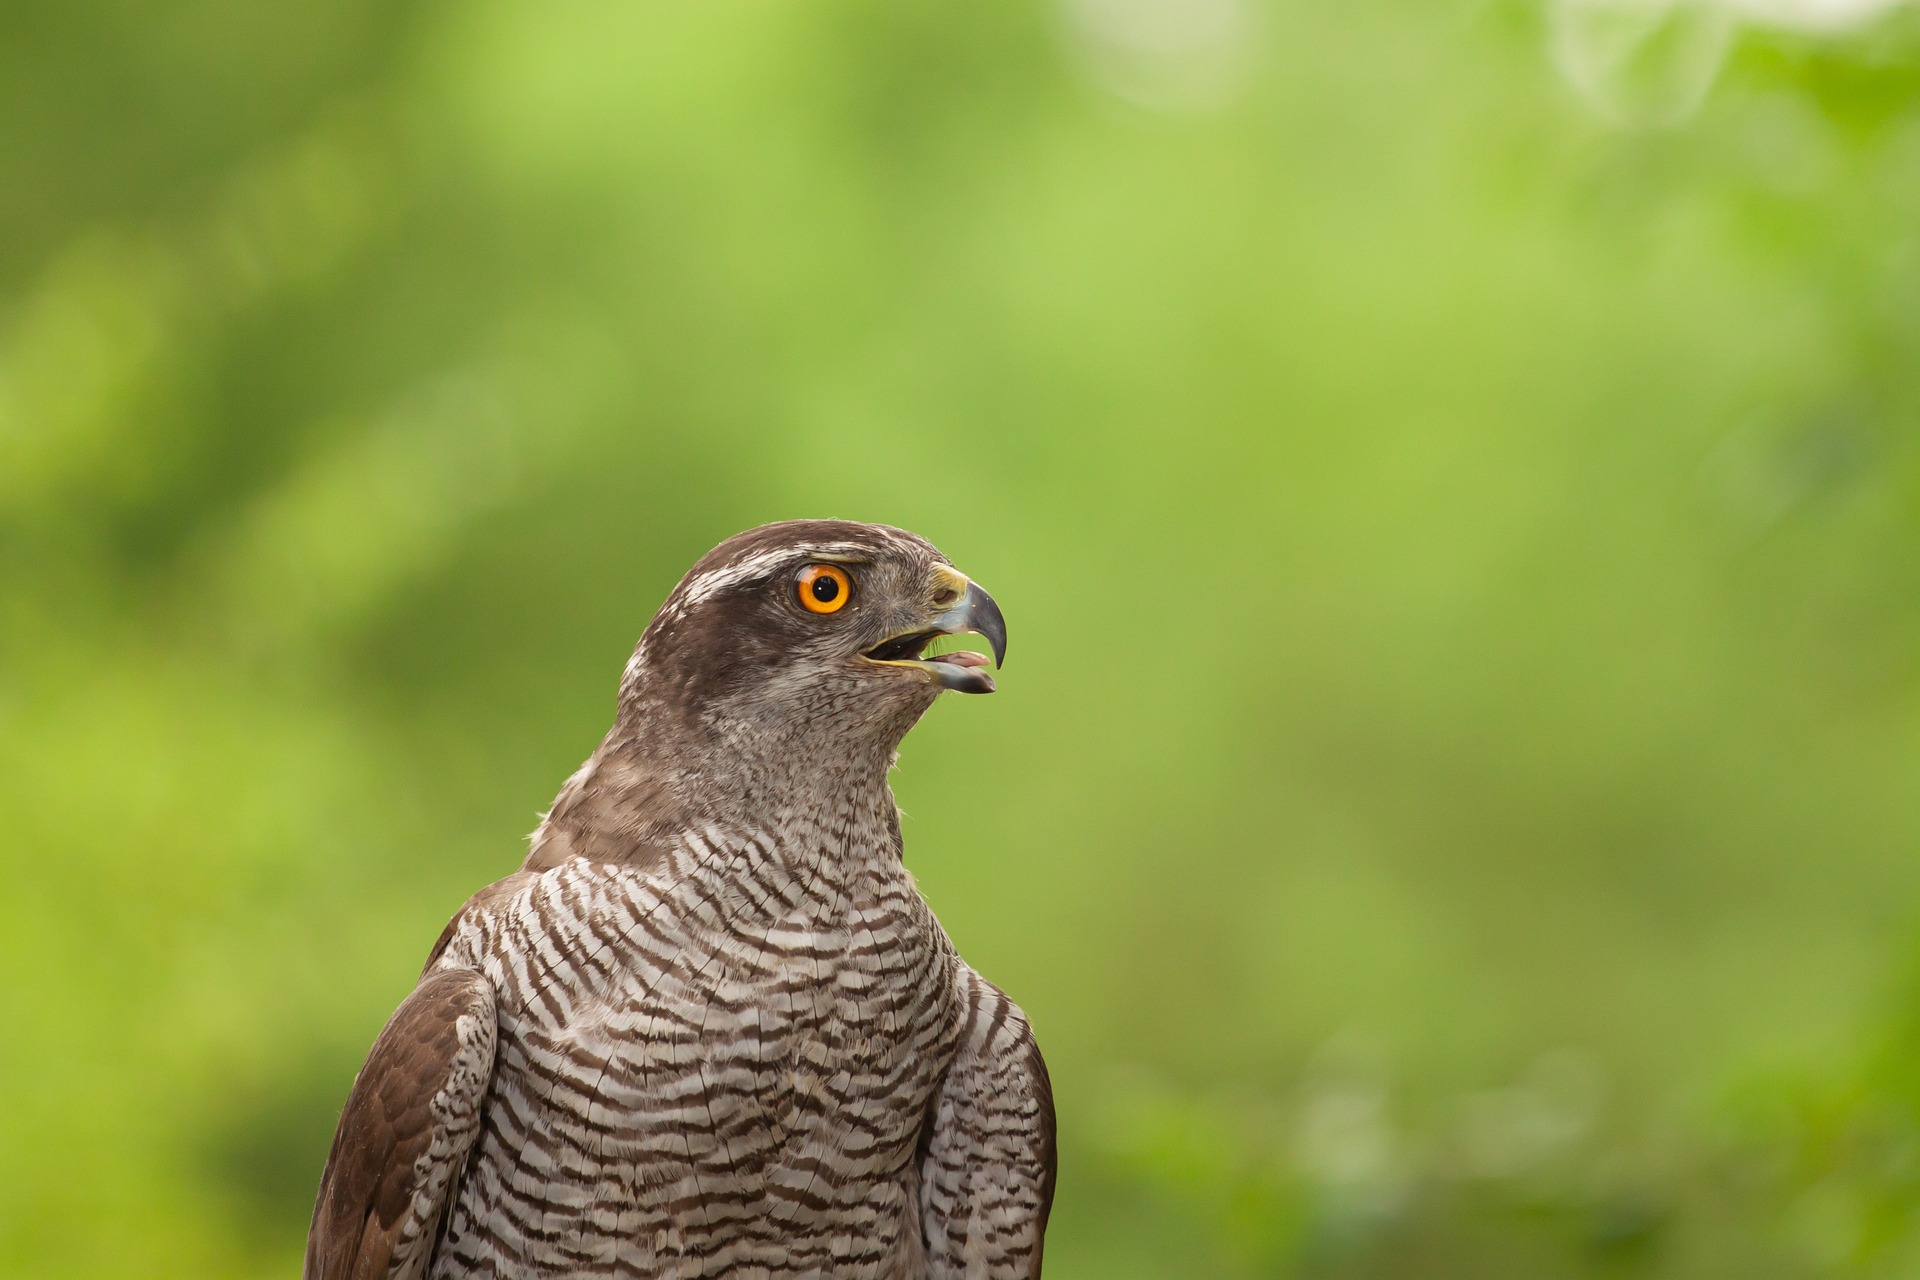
1450,467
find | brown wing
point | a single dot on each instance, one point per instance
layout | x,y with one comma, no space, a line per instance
988,1170
406,1130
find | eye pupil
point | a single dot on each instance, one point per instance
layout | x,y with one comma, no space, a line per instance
825,589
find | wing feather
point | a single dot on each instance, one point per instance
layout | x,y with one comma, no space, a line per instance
990,1160
405,1132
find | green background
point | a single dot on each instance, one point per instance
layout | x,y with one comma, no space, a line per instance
1449,467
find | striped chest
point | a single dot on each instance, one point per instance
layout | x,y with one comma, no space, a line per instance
704,1063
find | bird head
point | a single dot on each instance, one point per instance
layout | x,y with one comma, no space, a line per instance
810,629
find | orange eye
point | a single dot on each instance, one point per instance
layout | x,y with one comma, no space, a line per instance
825,588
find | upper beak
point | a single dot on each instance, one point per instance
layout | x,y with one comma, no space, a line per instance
977,613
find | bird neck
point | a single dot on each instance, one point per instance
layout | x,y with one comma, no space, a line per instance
649,784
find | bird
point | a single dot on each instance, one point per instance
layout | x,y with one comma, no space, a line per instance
710,1027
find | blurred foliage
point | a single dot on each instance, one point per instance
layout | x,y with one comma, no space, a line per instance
1449,468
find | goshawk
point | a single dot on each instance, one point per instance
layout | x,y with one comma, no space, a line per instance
710,1027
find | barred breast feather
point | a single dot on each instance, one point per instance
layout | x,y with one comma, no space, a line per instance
739,1062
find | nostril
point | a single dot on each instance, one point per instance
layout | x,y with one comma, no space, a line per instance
944,597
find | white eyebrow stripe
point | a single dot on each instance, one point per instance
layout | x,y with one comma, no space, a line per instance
714,581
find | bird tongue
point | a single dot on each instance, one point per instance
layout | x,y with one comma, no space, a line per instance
961,658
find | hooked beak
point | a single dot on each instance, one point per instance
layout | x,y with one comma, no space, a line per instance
974,611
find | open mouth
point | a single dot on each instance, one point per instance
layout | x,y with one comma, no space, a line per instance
902,648
967,608
959,671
